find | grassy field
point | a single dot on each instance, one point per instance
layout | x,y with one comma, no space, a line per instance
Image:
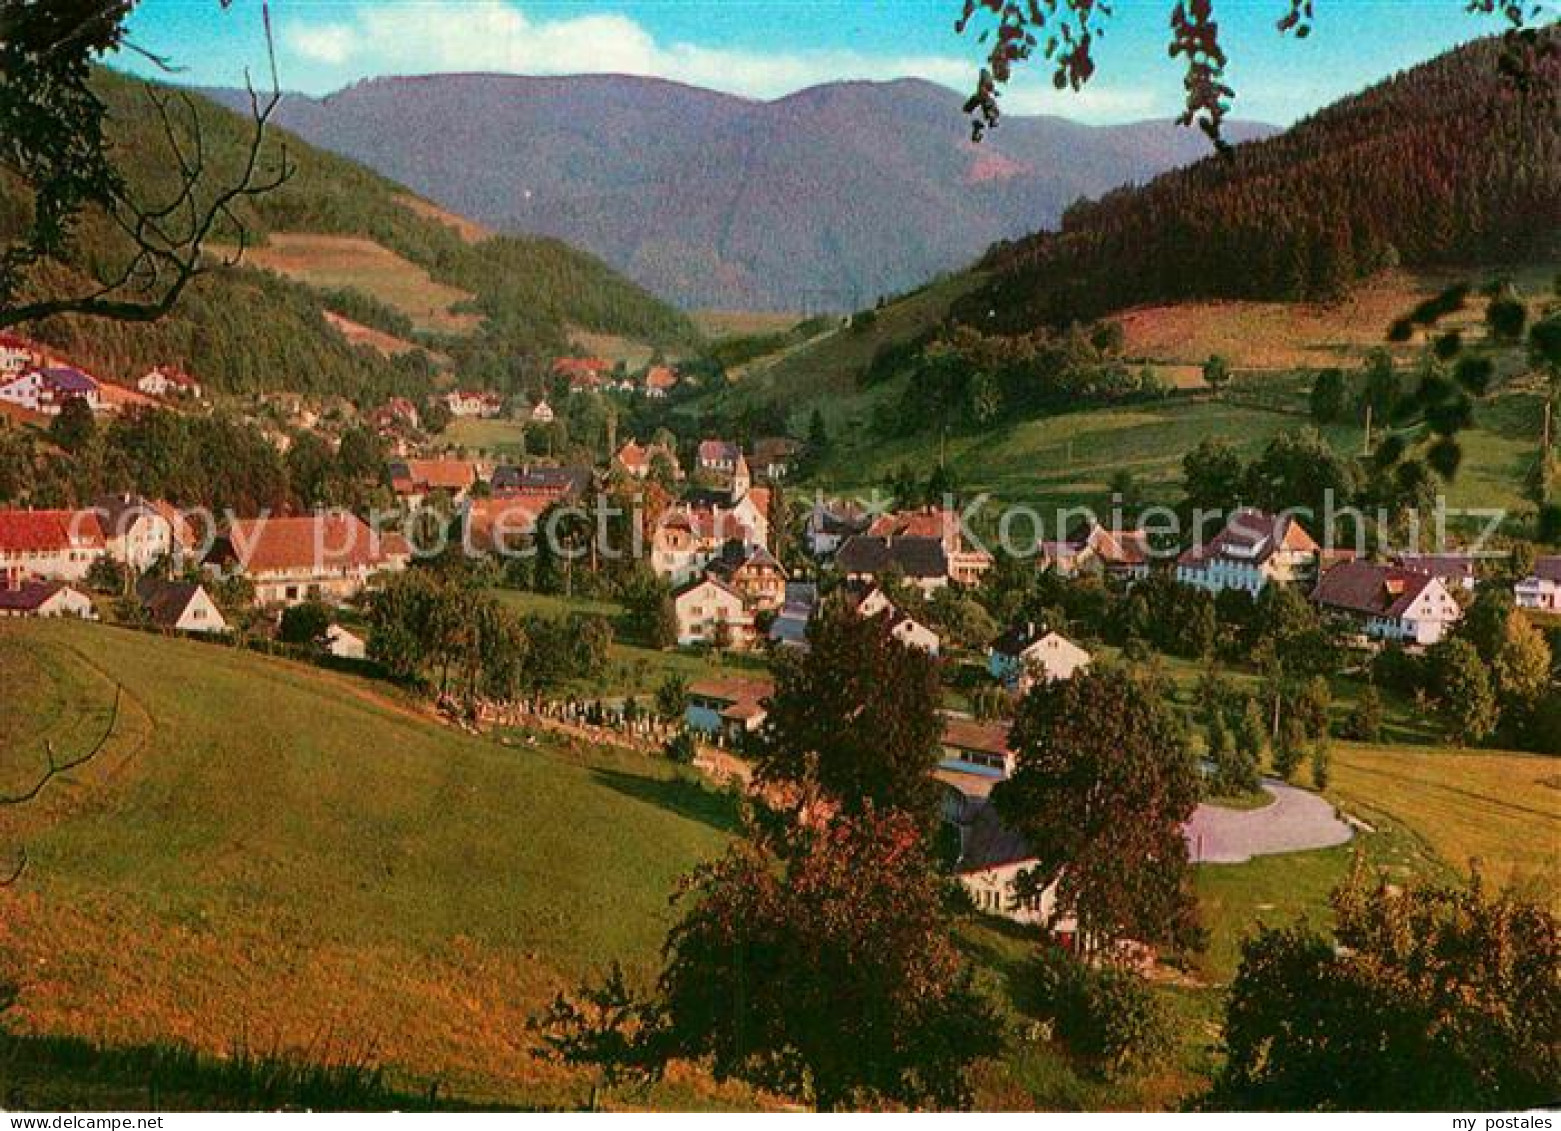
335,262
497,437
718,324
272,853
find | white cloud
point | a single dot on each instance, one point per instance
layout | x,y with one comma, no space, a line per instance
496,35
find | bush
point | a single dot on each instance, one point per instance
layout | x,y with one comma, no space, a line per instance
1108,1017
681,748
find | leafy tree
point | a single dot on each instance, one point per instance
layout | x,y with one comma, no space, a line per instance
605,1025
1106,779
672,697
1322,763
1213,475
1426,999
1506,316
1109,1017
1289,747
1466,701
1329,396
816,961
1216,373
1364,723
859,710
305,623
74,428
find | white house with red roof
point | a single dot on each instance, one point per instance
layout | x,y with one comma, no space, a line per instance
16,355
1254,550
328,556
1541,589
169,381
49,545
1390,602
474,403
709,611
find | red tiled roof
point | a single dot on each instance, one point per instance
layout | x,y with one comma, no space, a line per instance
1375,590
733,689
968,734
43,531
334,540
1252,536
441,474
503,517
661,377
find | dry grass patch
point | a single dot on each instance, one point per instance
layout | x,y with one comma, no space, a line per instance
468,230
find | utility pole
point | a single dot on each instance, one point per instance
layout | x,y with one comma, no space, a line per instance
1366,451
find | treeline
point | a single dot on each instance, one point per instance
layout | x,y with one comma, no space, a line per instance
1448,163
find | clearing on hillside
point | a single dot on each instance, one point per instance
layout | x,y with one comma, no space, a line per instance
274,853
354,263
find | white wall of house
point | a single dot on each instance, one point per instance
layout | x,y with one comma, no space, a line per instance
704,609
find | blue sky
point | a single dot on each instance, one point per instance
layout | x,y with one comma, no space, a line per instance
768,48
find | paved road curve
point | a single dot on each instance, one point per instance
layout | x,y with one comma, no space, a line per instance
1295,822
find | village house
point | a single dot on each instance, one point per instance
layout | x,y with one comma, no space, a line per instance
830,523
1541,589
1390,602
558,484
773,457
20,598
1028,652
790,627
966,564
913,634
869,600
16,355
919,561
719,457
1124,555
710,612
327,556
394,416
728,708
49,545
137,533
639,460
47,390
660,380
415,480
180,606
1456,571
753,573
541,413
474,404
166,381
1253,551
680,547
584,374
503,523
344,644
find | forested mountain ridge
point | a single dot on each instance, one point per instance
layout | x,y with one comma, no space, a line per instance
1449,163
824,199
246,330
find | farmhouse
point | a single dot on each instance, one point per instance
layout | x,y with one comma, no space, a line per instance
327,556
1254,550
46,390
558,484
503,523
55,545
1028,652
169,381
1456,571
1121,554
1390,602
1541,589
719,457
711,612
966,565
414,480
20,598
640,460
921,561
728,708
179,606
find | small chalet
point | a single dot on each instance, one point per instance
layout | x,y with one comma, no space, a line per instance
167,381
180,606
1541,589
1390,602
709,611
328,556
1254,550
753,573
20,598
1028,652
728,708
51,545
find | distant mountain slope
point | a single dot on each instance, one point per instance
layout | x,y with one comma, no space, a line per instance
246,330
827,198
1445,164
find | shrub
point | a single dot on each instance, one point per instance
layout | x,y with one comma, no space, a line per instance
1107,1016
681,748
